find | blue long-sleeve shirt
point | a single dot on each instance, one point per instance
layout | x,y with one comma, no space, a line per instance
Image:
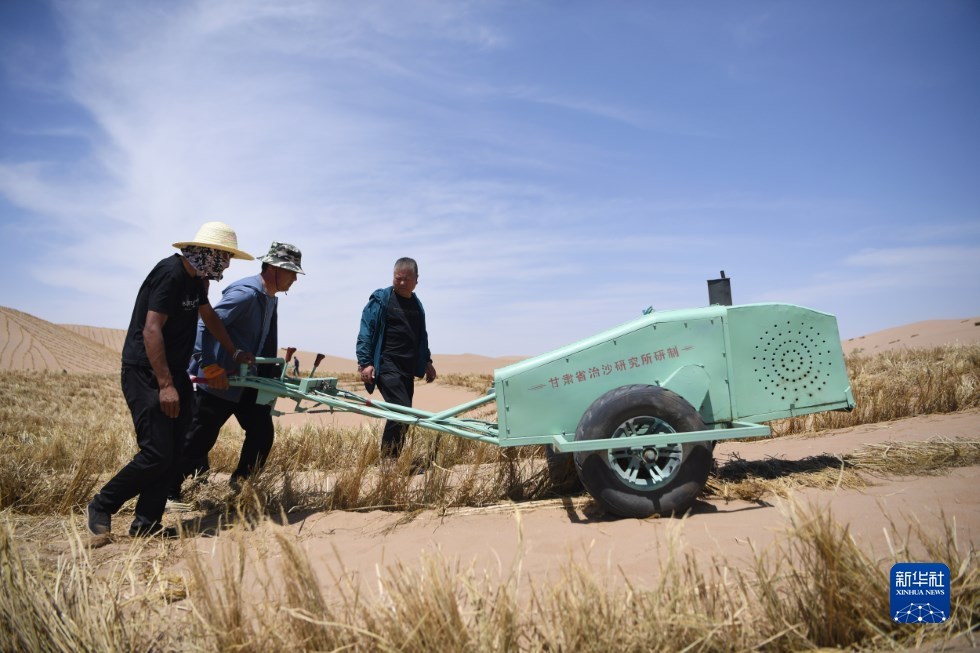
250,317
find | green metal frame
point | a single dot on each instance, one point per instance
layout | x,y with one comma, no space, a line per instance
323,391
734,364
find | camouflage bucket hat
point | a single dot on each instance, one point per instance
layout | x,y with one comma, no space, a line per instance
285,256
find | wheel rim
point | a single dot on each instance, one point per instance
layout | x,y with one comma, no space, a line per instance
645,468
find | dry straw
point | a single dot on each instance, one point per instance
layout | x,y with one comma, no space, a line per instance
816,588
62,435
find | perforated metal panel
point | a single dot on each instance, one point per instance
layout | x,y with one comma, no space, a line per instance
786,359
792,361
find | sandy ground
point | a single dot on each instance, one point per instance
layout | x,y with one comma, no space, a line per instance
538,540
547,535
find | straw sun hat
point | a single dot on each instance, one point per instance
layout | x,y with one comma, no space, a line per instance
217,235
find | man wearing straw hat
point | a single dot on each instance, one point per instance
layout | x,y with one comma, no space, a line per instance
155,353
248,310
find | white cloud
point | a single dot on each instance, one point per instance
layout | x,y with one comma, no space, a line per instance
921,258
364,132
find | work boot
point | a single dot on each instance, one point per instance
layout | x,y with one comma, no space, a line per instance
153,530
99,523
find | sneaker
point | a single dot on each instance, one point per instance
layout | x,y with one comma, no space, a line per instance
153,530
99,523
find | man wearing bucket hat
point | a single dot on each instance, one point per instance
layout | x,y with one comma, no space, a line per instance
154,378
248,309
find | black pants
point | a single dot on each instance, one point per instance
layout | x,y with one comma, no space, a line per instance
210,415
159,439
397,388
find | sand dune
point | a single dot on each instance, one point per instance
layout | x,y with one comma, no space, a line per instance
471,363
931,333
444,363
329,365
111,338
28,342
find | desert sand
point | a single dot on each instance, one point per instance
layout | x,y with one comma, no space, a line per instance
538,540
30,343
930,333
545,536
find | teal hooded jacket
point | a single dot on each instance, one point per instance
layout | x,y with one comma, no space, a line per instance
371,336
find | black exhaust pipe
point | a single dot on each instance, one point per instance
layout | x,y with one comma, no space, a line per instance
720,291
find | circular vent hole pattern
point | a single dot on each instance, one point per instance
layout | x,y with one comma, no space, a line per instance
792,362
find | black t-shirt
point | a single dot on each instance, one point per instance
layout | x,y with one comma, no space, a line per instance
168,289
403,328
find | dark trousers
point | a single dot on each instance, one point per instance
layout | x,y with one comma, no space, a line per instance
210,415
159,439
396,388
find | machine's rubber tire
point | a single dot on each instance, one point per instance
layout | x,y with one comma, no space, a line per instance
562,473
678,472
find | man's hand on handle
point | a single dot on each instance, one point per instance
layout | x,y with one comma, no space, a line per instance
242,357
215,377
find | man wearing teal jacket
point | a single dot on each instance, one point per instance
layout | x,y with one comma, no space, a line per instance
393,347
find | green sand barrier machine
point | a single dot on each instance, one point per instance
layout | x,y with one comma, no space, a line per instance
640,406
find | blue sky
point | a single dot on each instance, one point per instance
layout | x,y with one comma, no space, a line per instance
555,167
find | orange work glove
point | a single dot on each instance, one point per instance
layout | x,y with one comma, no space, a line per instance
216,377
